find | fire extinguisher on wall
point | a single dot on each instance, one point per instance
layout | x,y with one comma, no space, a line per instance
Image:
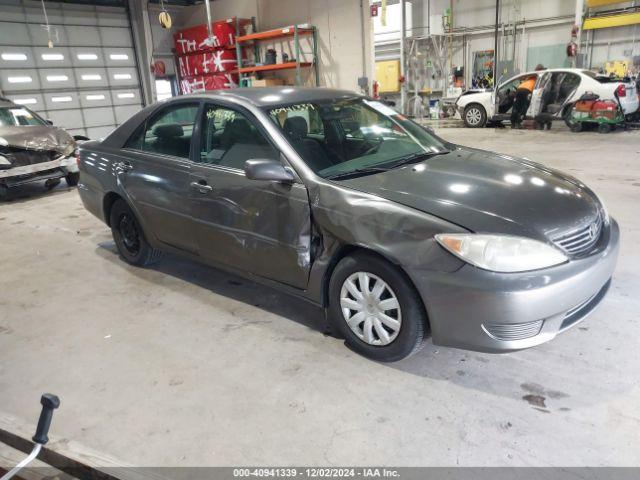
572,46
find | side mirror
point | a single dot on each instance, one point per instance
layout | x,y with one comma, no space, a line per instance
49,122
269,170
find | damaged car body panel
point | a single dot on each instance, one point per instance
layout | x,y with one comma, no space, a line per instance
31,149
395,192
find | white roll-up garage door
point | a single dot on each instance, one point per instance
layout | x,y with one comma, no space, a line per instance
88,82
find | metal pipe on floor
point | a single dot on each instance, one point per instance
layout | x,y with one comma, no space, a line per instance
403,38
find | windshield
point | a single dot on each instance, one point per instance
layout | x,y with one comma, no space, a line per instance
17,116
342,136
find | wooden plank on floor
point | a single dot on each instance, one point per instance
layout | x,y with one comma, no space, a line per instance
69,456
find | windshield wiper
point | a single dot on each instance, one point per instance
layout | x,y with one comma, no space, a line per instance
414,158
358,172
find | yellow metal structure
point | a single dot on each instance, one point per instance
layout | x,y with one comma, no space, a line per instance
601,3
617,68
611,21
388,76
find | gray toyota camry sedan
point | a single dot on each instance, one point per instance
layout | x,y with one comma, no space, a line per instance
337,198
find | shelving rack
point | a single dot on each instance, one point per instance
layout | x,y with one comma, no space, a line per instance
294,32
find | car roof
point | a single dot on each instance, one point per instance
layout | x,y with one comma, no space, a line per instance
273,96
568,69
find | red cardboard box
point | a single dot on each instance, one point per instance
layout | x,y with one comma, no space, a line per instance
205,63
192,39
202,83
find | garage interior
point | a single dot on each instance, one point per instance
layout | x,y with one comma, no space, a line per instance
184,365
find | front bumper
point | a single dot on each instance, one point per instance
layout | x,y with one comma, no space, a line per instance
57,168
475,309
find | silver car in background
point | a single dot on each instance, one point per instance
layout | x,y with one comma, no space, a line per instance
33,150
340,200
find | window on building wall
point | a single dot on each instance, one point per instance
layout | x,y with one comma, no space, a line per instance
52,57
163,89
12,57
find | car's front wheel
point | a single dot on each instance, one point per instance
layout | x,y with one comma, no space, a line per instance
129,237
376,308
72,178
475,116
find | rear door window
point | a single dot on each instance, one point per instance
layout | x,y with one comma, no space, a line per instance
167,133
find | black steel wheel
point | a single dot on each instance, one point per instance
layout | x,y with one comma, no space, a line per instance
129,237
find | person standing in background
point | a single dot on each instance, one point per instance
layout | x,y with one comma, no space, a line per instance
522,101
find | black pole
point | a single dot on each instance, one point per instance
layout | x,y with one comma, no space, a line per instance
495,47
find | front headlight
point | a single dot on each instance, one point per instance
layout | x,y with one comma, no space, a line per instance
501,253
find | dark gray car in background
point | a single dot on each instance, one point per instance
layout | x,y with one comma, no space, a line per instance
340,200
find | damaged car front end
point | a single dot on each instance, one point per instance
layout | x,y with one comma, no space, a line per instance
32,150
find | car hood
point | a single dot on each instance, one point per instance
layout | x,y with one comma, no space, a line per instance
475,94
37,137
486,192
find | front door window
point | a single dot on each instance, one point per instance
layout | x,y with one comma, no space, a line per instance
229,139
506,94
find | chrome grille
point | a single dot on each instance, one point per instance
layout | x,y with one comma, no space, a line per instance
513,331
580,240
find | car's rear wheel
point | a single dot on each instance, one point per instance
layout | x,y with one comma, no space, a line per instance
567,116
376,308
129,237
475,116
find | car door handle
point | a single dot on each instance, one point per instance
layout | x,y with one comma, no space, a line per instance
125,166
201,187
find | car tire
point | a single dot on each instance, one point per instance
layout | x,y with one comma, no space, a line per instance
72,179
566,116
390,344
4,192
475,116
604,128
129,238
51,183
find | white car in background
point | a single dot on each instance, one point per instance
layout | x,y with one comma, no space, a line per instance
556,90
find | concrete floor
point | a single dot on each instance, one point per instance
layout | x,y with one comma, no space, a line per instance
183,365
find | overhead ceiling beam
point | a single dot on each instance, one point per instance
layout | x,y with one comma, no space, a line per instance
601,3
620,20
